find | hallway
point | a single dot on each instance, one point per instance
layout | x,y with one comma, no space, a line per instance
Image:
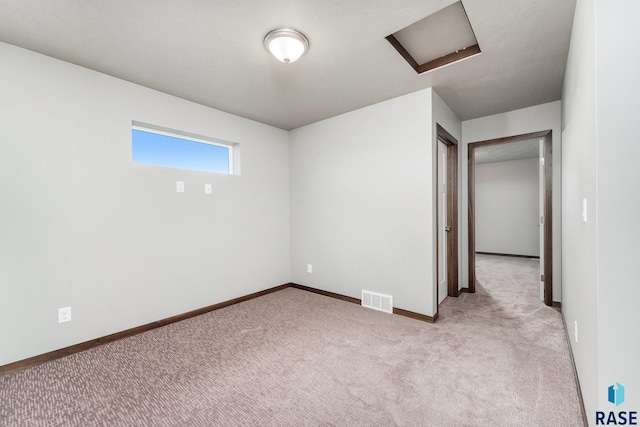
517,343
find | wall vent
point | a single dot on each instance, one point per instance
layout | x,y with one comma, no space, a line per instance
377,301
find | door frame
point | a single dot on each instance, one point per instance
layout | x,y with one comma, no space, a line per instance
452,212
548,206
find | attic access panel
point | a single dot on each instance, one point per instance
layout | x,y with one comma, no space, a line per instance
439,39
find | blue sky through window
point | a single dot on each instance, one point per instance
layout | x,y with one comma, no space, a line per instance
174,152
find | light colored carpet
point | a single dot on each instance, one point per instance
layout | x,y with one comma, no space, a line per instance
293,358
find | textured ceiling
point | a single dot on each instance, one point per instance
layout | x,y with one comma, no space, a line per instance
211,52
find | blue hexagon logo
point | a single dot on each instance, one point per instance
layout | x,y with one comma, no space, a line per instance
616,394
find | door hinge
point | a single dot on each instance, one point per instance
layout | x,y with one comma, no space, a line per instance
542,277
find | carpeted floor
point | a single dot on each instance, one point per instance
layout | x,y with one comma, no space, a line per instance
293,358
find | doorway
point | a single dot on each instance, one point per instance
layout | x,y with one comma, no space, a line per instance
546,223
446,215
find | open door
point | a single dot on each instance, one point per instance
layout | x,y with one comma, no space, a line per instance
446,177
443,227
541,214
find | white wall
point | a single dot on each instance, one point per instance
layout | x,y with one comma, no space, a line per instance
603,93
601,287
618,198
445,117
361,202
507,207
579,161
518,122
82,226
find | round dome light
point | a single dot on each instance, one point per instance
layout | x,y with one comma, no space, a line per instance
286,44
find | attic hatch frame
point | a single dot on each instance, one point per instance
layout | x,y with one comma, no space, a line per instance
452,57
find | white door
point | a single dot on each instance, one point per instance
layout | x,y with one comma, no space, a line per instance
541,215
442,222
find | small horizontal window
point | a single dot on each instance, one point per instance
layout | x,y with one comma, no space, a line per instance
163,147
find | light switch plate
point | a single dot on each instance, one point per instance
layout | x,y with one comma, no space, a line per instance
180,186
208,189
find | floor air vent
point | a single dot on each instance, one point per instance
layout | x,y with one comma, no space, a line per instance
377,301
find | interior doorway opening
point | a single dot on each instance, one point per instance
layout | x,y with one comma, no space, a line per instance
446,215
543,140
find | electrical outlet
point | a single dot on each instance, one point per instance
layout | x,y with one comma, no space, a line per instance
180,186
309,268
64,315
575,329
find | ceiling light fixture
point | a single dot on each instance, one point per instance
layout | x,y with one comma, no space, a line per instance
286,44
